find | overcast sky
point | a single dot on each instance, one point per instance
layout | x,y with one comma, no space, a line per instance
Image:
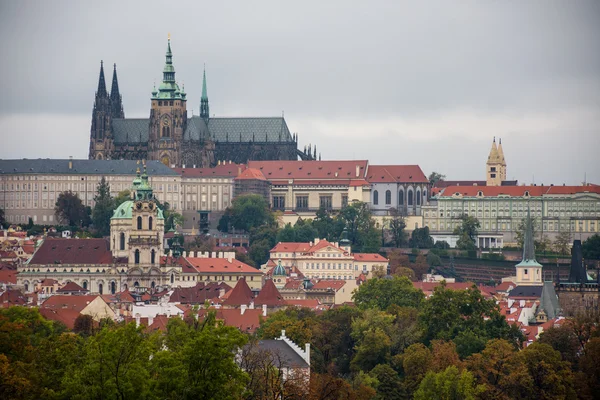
415,82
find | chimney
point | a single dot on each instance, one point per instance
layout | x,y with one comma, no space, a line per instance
283,333
184,254
357,171
243,309
150,320
182,165
221,254
214,254
70,162
251,306
307,350
230,256
239,170
264,311
137,320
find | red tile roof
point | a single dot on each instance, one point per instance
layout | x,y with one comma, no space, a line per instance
445,184
334,284
72,251
291,247
251,173
269,295
370,257
239,295
66,316
323,243
60,301
221,266
119,297
311,169
12,297
199,293
8,276
309,303
160,323
517,191
247,322
71,287
220,171
396,173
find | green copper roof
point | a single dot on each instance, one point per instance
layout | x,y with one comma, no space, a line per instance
168,89
279,269
125,211
528,245
204,94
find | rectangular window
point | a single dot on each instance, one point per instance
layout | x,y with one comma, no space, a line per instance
325,202
302,202
278,202
345,199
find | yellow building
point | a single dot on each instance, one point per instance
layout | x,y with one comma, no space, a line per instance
496,165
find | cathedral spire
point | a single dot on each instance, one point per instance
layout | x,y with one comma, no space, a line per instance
101,82
528,243
204,110
116,103
169,89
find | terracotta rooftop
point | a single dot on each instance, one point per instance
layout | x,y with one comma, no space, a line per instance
333,169
334,284
60,301
517,191
291,247
12,297
396,173
309,303
239,295
370,257
8,276
269,295
72,251
198,294
71,287
247,322
251,173
221,265
66,316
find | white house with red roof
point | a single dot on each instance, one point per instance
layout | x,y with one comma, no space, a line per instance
322,259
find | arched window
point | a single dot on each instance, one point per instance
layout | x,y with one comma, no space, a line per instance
100,288
85,285
410,197
401,197
424,196
27,287
172,278
375,197
153,285
137,257
152,256
388,197
418,198
139,223
122,241
150,223
136,284
113,287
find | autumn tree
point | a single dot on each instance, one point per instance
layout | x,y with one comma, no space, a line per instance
562,243
396,225
448,384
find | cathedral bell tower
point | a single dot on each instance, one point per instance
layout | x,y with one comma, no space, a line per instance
496,165
168,117
100,133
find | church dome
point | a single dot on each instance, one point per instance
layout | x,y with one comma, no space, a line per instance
125,211
279,270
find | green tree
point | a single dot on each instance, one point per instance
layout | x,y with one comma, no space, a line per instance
396,225
589,369
69,209
388,382
2,219
262,240
372,349
492,366
433,260
250,211
562,243
103,208
304,230
416,361
297,322
467,232
563,340
591,247
122,197
421,239
172,218
382,293
448,384
362,231
287,234
435,177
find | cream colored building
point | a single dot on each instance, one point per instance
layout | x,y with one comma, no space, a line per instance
501,209
324,260
496,165
30,188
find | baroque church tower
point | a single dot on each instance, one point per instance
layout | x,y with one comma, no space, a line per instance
106,108
496,165
168,117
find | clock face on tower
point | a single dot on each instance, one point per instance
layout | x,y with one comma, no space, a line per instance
165,121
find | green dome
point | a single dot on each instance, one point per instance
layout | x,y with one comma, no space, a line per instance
279,270
125,211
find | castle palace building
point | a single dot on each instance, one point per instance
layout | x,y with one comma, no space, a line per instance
177,140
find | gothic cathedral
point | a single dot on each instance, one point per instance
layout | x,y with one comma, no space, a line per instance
179,140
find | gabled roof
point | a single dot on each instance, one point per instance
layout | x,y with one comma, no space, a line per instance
60,301
8,276
198,294
517,191
526,292
247,322
323,243
259,129
72,251
284,355
66,316
269,295
314,170
335,284
130,130
220,266
71,287
239,295
396,174
308,303
12,297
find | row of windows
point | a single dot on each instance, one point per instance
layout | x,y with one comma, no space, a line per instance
409,200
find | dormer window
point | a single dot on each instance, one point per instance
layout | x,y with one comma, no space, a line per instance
527,193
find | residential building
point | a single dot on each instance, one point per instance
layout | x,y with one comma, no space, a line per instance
30,188
324,260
